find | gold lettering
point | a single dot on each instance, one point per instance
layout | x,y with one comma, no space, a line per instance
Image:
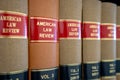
94,34
95,74
53,75
110,35
93,26
51,24
5,30
74,77
110,27
95,30
17,79
111,31
10,18
72,25
112,68
73,33
74,29
112,71
47,29
94,67
45,76
46,35
73,70
10,24
111,65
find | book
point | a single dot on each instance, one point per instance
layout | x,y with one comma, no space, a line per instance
118,41
43,43
108,40
13,40
91,39
70,39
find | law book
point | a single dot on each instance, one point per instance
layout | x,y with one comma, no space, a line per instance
118,41
108,40
91,39
43,43
70,39
13,40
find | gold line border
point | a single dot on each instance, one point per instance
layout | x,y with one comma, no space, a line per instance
107,39
75,64
118,25
13,72
95,79
44,69
91,62
91,38
91,22
13,12
19,37
111,24
118,58
70,38
118,39
108,76
107,60
33,41
43,18
117,73
75,20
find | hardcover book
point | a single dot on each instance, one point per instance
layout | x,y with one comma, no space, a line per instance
91,39
13,40
108,40
118,41
70,39
43,43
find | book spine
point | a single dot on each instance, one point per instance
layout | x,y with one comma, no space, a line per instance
118,41
108,41
91,39
43,44
70,39
13,40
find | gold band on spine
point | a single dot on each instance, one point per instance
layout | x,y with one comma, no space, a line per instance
108,24
70,20
43,18
109,77
14,72
90,22
108,60
18,37
44,69
91,62
43,41
91,38
13,12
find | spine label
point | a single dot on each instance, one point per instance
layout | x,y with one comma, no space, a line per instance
70,72
13,25
118,32
91,30
14,75
108,69
91,71
70,29
108,31
47,74
118,66
43,29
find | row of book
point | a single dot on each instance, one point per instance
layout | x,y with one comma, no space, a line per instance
59,40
